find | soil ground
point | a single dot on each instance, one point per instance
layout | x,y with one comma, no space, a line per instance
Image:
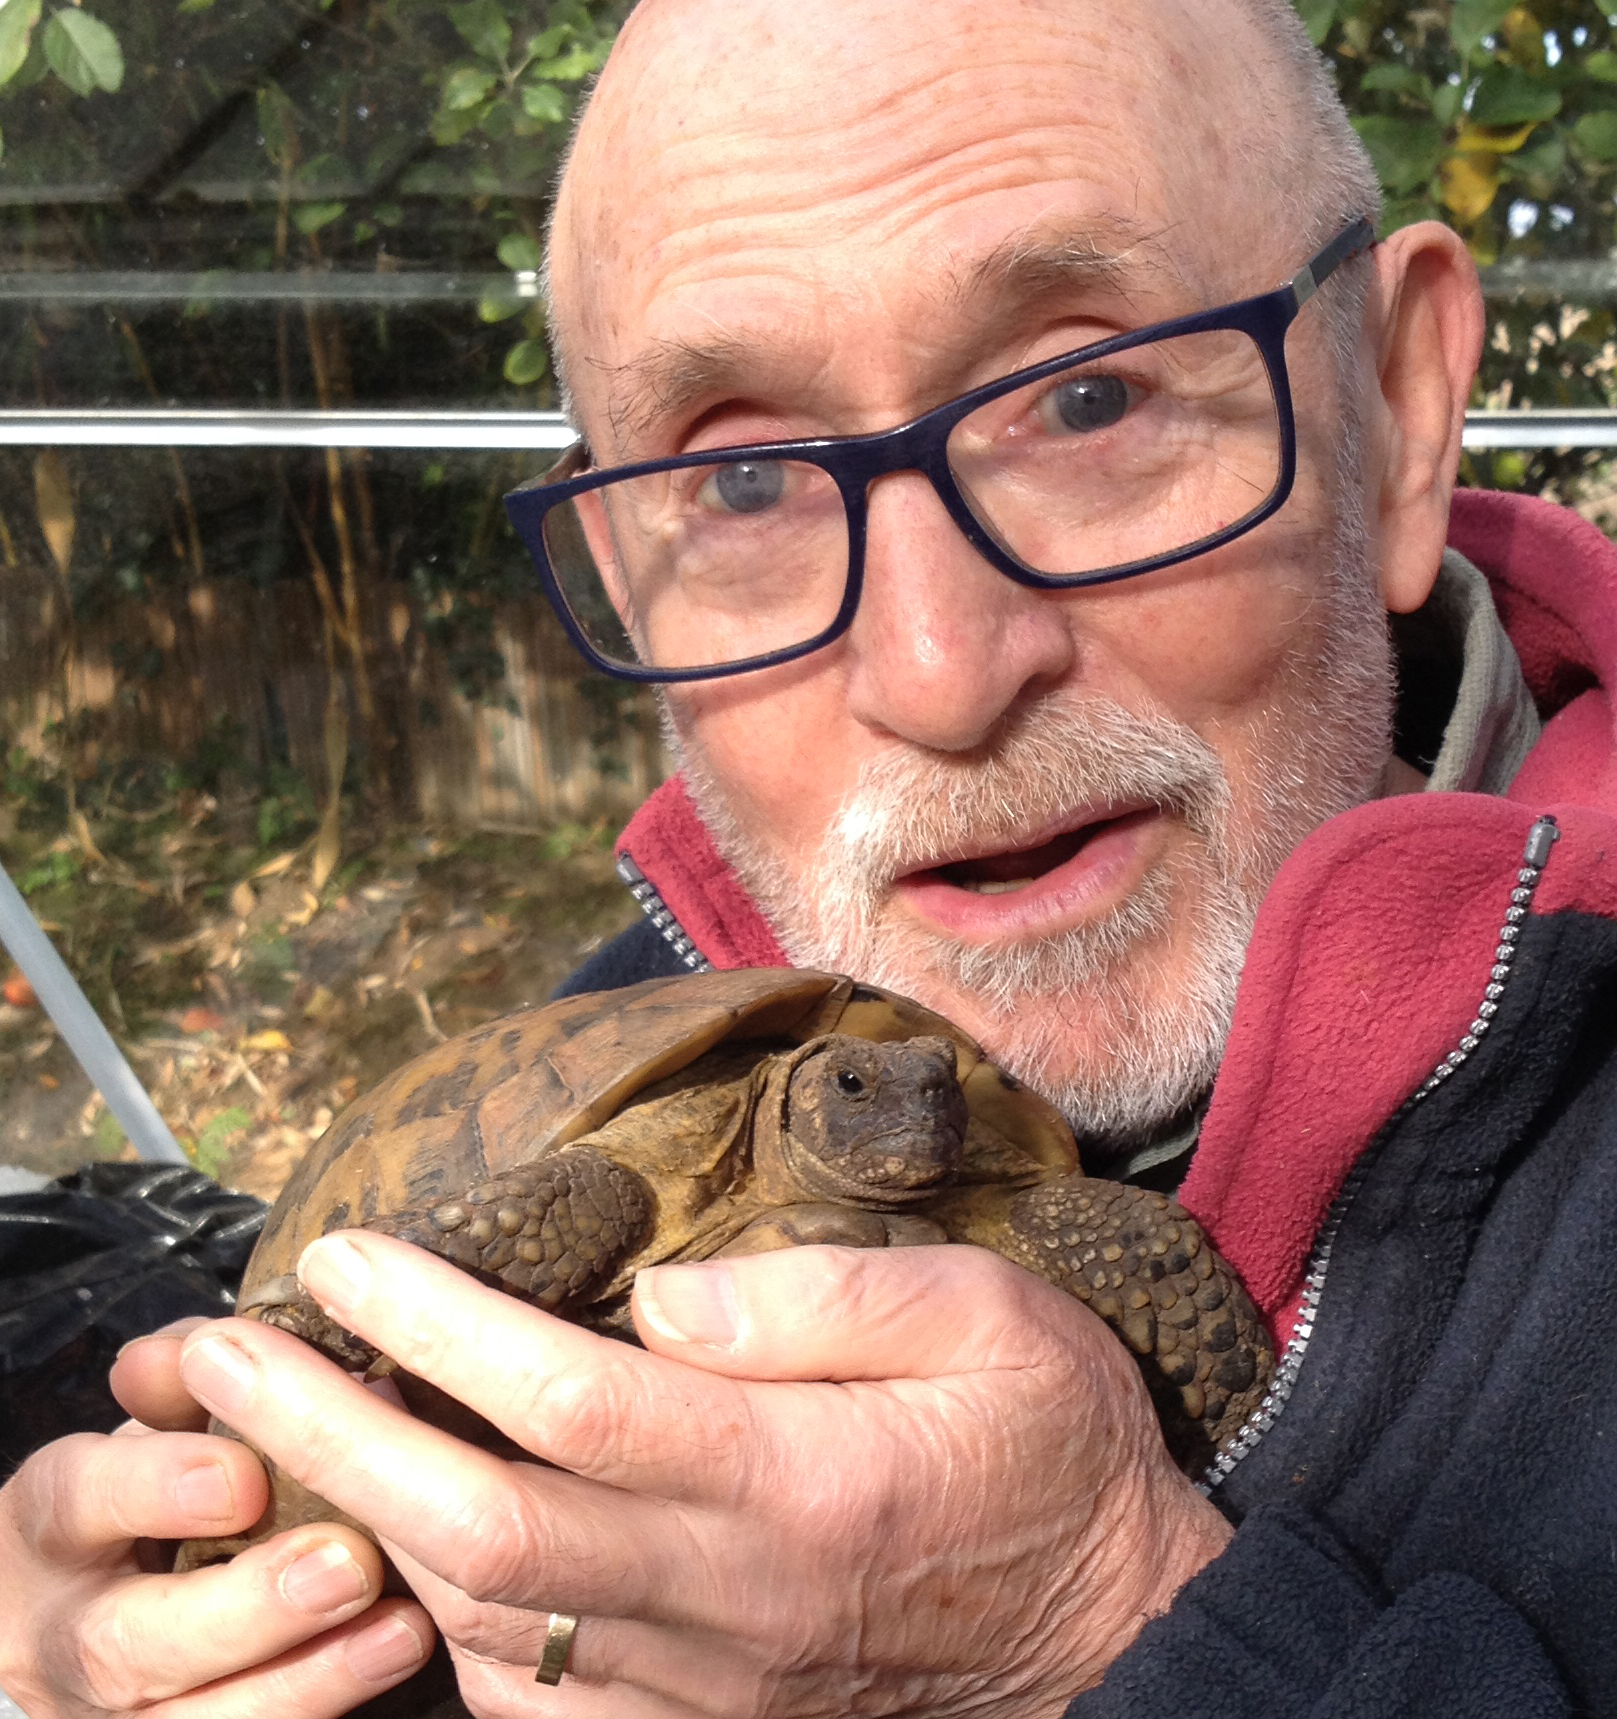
255,1008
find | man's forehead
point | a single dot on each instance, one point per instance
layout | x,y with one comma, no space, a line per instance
992,290
985,155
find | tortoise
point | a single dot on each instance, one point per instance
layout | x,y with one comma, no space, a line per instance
556,1152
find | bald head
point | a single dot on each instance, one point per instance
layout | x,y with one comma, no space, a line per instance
770,128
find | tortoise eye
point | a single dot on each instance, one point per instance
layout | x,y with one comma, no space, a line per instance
849,1083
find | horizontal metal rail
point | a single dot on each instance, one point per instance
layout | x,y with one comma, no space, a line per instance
183,428
223,286
1573,280
180,427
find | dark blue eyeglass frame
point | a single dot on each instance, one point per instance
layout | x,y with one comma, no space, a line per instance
854,462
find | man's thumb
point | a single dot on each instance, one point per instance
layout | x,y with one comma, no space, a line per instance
857,1313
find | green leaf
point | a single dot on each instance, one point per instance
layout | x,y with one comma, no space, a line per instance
1446,100
466,87
1509,96
1405,151
483,27
568,68
1317,17
187,6
498,309
547,42
321,172
270,105
1404,80
1474,19
1596,135
544,102
84,53
17,21
311,217
517,251
526,362
1601,66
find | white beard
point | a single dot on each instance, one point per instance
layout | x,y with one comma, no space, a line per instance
1091,1017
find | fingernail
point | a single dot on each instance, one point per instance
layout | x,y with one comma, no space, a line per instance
335,1273
322,1580
205,1493
218,1372
383,1649
690,1303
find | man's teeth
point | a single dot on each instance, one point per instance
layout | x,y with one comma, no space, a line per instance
1006,888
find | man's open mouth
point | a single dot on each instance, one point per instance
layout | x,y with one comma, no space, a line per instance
1015,869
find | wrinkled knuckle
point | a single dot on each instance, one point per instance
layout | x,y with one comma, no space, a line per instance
421,1344
501,1547
49,1494
110,1660
578,1415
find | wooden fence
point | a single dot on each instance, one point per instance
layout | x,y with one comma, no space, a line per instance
155,675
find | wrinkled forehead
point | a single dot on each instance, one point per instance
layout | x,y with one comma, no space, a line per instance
817,164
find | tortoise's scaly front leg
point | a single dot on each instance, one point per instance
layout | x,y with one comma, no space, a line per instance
553,1232
1142,1263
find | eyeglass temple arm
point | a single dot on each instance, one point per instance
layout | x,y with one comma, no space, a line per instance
1357,236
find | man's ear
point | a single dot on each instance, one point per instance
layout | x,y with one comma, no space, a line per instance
1425,318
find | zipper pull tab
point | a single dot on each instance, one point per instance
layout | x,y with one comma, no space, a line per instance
1540,839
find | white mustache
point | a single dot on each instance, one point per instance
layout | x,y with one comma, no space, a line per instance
911,809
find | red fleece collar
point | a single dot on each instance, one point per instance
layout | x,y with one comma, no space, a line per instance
1373,945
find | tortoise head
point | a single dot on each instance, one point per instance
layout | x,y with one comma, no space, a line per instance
873,1124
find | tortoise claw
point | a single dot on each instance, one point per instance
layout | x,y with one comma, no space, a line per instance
281,1291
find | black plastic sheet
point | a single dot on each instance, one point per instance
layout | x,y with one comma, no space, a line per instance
89,1262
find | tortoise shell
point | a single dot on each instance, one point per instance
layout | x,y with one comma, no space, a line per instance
522,1088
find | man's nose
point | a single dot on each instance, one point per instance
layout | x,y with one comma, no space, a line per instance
944,645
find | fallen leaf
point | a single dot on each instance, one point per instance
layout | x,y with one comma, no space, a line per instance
267,1041
274,867
19,993
320,1004
201,1020
242,899
49,1082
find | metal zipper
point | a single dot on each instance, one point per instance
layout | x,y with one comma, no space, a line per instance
1540,839
658,912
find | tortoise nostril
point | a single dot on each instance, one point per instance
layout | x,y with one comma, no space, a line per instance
849,1082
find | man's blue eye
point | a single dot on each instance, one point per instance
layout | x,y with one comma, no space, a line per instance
1090,402
750,486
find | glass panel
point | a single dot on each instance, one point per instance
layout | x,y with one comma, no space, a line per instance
298,765
1124,458
307,775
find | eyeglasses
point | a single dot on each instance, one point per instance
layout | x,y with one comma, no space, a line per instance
1132,454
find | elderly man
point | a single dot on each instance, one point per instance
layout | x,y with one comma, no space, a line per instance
1022,708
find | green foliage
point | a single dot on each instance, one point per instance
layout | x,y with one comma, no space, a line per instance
1499,118
57,867
107,1138
210,1150
83,53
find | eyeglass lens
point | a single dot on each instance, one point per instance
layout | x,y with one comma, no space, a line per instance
1123,459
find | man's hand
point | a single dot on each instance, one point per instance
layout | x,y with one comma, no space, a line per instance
911,1481
287,1631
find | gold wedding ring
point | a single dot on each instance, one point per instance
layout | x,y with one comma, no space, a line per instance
558,1644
